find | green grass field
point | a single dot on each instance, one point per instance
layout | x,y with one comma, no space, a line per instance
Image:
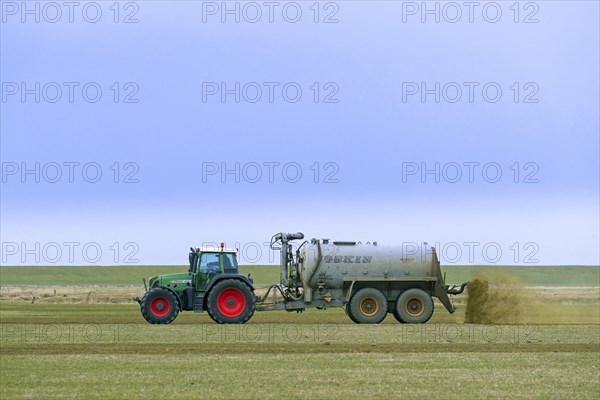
569,275
106,351
71,342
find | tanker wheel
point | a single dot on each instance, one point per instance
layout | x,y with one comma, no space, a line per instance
231,301
398,318
415,306
368,306
159,306
350,315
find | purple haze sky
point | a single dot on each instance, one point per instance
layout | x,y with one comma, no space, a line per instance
361,129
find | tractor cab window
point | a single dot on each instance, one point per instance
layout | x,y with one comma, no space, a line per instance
209,263
229,263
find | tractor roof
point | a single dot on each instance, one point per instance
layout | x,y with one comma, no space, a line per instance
217,250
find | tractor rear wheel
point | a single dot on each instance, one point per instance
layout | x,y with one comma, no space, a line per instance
368,306
231,301
415,306
159,306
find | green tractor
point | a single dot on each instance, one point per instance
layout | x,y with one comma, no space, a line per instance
212,284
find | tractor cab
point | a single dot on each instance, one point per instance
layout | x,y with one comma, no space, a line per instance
208,262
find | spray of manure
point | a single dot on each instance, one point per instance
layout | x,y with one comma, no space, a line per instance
494,298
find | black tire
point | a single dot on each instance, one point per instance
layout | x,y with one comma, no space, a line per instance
398,318
368,306
231,301
350,315
414,306
159,306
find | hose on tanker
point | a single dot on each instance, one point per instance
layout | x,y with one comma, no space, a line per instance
274,239
289,236
303,243
290,295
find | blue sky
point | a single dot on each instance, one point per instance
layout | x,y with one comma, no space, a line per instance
357,123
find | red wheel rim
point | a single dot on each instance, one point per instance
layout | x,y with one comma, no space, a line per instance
231,302
160,306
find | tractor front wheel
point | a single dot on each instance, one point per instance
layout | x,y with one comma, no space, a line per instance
159,306
231,301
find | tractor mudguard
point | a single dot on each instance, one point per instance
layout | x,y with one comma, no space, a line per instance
176,294
219,277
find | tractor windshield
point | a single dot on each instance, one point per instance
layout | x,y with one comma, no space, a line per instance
209,262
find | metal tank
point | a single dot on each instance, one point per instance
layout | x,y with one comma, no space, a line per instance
337,262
